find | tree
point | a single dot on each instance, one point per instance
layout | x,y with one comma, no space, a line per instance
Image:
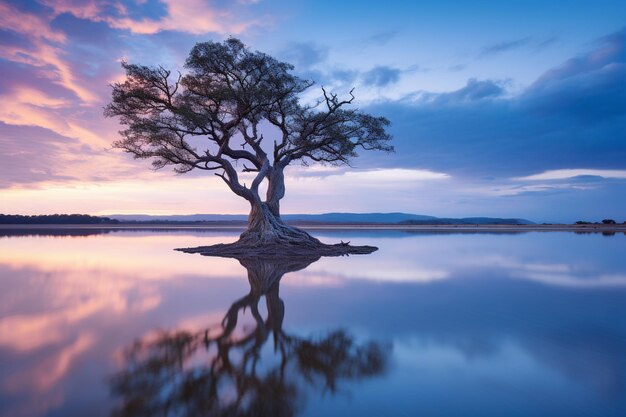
214,117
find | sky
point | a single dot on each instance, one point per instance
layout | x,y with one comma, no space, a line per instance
504,109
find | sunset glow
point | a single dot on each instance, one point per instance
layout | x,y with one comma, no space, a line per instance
505,112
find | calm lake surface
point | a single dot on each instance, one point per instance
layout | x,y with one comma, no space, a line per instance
94,323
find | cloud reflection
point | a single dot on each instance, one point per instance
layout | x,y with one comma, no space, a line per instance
64,323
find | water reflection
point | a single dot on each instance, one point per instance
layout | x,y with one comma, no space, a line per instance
517,325
223,371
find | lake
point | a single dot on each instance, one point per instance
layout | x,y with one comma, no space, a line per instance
115,322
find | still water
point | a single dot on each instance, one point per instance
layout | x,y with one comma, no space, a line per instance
98,323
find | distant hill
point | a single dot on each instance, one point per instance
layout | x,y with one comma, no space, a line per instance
240,219
357,217
470,220
332,218
317,218
180,218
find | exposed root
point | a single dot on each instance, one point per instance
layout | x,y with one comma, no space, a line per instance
288,243
243,249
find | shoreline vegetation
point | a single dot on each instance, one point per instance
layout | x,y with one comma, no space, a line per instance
390,221
85,225
237,226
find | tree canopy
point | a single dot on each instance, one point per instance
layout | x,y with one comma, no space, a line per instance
226,94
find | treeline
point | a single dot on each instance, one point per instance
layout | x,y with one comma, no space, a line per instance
55,219
475,221
605,221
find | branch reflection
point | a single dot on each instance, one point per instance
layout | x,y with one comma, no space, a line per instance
224,371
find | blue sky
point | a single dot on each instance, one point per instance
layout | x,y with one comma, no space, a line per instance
497,108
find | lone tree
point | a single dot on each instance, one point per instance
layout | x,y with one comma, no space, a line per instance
213,118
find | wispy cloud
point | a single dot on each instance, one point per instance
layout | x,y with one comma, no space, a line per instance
473,91
43,49
382,38
381,76
304,55
505,46
29,24
390,177
510,45
546,43
457,67
562,174
55,75
191,16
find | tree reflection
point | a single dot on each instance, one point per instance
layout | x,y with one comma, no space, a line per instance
221,371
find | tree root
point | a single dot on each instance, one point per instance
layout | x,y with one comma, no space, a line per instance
268,236
244,248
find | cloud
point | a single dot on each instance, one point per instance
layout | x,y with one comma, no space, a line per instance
344,76
381,76
573,116
382,38
505,46
387,177
41,50
561,174
57,59
33,156
526,42
29,99
546,42
610,49
457,68
18,21
475,90
588,87
190,16
30,155
304,55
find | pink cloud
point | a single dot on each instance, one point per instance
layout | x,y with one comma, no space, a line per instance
190,16
34,157
26,23
24,106
45,49
55,82
41,88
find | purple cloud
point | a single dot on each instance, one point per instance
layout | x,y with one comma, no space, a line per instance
571,117
381,76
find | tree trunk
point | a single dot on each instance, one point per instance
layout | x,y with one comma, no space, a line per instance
267,235
275,189
265,228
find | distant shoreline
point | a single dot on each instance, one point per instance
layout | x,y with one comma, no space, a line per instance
590,228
